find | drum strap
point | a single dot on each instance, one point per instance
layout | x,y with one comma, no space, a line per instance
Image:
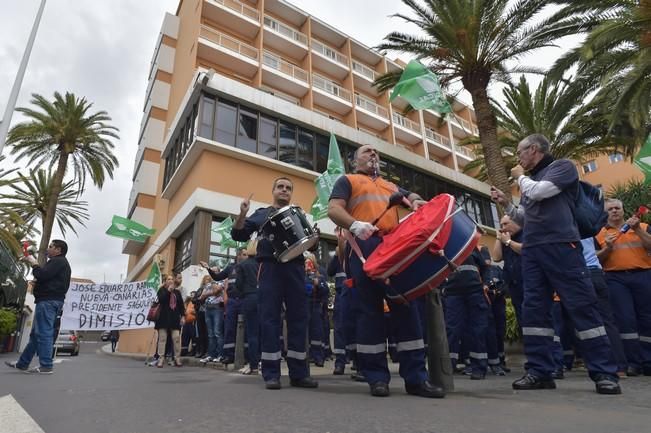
353,244
397,297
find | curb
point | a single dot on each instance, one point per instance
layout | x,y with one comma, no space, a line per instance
189,361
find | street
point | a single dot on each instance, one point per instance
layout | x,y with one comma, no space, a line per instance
97,393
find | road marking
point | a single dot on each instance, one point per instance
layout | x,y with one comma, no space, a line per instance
15,419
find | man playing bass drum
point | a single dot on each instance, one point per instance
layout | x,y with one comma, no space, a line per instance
356,200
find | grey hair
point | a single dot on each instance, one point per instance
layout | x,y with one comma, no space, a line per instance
536,139
613,200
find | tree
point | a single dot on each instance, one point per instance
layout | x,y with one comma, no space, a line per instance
472,41
30,196
9,220
575,130
62,133
615,57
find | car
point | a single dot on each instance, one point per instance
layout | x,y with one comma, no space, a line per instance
67,342
106,336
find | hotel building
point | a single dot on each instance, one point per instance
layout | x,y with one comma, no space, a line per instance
242,92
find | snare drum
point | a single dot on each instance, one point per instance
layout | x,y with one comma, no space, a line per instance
420,253
289,232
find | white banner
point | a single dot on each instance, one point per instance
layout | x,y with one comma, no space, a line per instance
101,307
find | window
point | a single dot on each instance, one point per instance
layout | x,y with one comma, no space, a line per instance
183,250
226,123
248,130
322,150
305,149
590,166
287,143
207,115
268,138
615,157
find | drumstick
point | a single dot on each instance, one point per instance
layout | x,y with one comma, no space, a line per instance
395,199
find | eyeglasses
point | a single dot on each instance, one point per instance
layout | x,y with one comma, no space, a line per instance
519,152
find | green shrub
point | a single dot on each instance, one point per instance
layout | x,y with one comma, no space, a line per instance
8,321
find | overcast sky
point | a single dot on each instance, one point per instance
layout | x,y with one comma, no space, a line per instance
101,50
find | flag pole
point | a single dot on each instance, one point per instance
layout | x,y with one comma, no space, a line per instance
13,96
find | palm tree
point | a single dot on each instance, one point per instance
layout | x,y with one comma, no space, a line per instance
615,57
575,130
30,196
472,41
62,133
9,219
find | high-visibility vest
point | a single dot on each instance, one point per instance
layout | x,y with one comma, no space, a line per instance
369,199
628,252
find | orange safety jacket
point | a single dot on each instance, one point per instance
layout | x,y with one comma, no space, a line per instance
628,252
369,198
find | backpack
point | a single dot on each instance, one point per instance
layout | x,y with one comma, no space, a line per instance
589,210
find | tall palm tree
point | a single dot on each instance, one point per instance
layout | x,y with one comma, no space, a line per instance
29,199
615,56
9,219
473,41
575,130
62,133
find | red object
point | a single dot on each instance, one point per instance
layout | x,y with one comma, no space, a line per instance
642,210
421,252
424,230
25,248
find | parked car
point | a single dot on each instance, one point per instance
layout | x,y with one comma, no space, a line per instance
67,342
106,336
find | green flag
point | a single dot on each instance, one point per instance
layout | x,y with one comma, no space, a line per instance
421,88
224,231
643,160
153,279
124,228
326,180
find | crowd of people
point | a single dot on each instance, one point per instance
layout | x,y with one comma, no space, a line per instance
573,298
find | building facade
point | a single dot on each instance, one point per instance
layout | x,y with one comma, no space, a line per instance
242,92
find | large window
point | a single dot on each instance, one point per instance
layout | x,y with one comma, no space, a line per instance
252,131
247,134
183,250
226,123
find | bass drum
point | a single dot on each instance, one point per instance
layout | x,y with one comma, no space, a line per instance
289,232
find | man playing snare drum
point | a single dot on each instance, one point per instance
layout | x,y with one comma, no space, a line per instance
357,200
278,283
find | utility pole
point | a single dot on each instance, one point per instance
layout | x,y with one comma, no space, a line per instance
13,96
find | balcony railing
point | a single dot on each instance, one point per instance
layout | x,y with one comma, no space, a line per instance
364,70
437,138
464,123
284,66
330,53
475,130
239,8
330,87
464,151
229,43
285,30
401,120
368,131
371,106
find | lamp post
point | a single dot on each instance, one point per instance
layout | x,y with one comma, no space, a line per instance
13,96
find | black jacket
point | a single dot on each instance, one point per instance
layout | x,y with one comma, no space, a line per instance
52,280
247,276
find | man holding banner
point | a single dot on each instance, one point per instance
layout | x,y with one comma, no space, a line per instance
52,282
